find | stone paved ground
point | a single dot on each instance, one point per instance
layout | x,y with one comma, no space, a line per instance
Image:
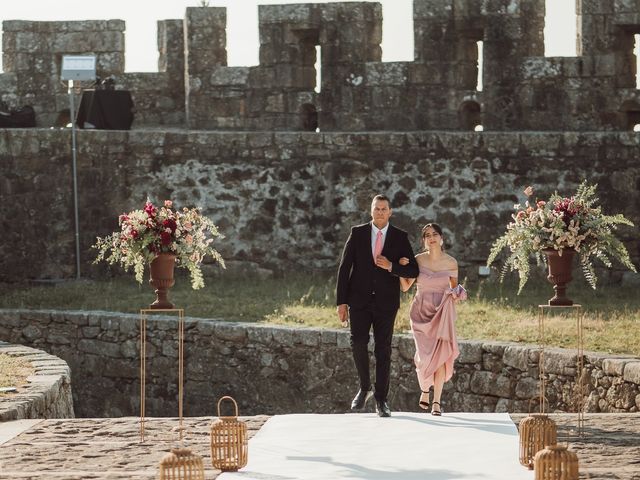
110,449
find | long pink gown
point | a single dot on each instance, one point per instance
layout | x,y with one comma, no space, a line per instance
432,316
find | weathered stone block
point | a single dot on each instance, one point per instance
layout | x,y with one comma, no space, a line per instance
614,366
392,73
632,372
470,352
432,9
261,335
301,13
99,348
230,332
517,357
223,76
527,388
307,337
535,68
558,361
487,383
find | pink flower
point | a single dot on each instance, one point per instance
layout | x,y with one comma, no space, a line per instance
541,203
168,203
520,215
188,239
567,208
150,209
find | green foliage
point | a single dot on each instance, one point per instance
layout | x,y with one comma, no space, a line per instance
13,371
494,310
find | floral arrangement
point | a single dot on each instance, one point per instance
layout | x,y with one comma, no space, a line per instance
561,223
146,233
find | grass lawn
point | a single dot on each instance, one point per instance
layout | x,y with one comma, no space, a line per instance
493,311
13,371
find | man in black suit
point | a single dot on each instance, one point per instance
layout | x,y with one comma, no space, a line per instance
368,291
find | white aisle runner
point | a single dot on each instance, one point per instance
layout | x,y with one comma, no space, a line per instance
407,446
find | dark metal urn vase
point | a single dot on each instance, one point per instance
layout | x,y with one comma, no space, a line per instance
560,263
162,279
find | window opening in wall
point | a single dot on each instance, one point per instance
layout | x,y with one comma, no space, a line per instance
397,31
560,28
630,115
469,115
636,52
309,117
318,68
480,45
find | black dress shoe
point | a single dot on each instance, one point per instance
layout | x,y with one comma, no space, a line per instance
383,408
361,399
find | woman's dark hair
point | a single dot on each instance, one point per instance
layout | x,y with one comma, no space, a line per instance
436,227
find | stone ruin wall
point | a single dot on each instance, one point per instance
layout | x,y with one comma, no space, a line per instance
285,201
274,370
523,90
266,181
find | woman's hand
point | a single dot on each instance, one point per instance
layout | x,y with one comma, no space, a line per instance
403,261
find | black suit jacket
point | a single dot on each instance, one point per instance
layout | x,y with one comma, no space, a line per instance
359,277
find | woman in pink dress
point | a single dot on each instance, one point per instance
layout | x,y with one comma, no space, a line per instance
432,316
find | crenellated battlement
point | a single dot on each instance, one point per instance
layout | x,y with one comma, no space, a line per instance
194,89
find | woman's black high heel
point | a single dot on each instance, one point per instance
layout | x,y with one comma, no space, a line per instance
437,413
422,404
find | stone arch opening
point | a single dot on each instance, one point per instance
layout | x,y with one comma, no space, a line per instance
309,115
630,115
63,119
469,114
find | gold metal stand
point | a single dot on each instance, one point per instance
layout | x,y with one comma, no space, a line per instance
580,388
143,355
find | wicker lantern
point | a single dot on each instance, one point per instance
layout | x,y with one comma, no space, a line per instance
228,441
536,432
181,464
555,462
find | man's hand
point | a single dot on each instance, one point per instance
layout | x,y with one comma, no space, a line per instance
343,314
383,262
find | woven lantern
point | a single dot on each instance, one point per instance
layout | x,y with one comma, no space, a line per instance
555,462
181,464
536,432
228,441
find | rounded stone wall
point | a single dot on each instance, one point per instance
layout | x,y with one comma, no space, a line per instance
47,393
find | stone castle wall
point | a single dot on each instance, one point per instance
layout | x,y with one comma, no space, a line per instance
194,87
276,370
287,200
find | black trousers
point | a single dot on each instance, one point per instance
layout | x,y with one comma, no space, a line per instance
361,321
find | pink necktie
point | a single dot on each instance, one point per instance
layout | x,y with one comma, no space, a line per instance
377,249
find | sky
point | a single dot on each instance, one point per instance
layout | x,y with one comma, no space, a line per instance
141,54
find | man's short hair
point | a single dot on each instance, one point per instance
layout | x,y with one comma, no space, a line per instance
382,197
